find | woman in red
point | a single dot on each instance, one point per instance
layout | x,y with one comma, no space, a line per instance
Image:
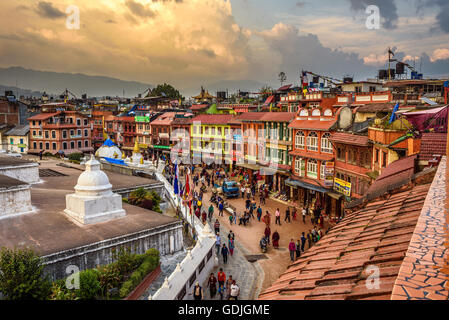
276,238
267,234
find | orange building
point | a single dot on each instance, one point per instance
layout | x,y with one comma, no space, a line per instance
62,131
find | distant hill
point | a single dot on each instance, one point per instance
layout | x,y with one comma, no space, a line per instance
20,92
56,83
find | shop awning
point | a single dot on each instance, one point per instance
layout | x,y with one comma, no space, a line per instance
336,196
298,183
254,167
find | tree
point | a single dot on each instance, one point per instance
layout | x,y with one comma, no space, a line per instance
265,92
282,77
166,90
22,275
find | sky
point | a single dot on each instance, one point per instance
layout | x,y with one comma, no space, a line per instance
189,43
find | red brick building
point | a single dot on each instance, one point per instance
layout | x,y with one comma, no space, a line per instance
62,131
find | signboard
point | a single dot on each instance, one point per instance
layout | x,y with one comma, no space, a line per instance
142,119
342,187
329,174
22,145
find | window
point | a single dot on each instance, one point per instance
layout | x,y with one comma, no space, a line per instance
64,146
85,122
64,134
341,154
316,113
47,146
326,145
54,145
34,133
304,113
53,134
312,141
86,133
72,132
376,156
299,140
212,131
300,167
312,168
327,113
322,170
40,145
11,140
80,145
384,159
72,145
46,134
78,133
34,145
78,122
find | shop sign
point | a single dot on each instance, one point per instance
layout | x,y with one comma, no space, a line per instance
342,187
329,174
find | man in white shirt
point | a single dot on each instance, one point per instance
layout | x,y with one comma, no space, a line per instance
235,291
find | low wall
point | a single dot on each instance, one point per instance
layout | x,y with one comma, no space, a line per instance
167,239
106,166
28,173
14,201
198,263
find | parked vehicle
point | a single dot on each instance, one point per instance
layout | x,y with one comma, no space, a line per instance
230,189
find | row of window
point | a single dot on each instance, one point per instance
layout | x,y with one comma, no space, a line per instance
277,131
64,145
73,134
220,131
312,142
68,120
312,168
354,156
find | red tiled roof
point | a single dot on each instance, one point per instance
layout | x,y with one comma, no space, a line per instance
286,87
165,119
432,144
43,116
279,116
213,118
397,172
351,139
312,124
269,100
312,155
199,107
335,267
252,116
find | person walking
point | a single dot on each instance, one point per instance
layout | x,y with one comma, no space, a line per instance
231,235
292,249
221,276
197,292
212,284
267,234
211,212
224,253
267,219
294,213
261,198
248,192
217,226
221,291
217,243
242,189
278,217
298,249
235,291
228,287
303,241
287,215
309,238
235,216
259,213
276,238
231,218
231,246
221,208
304,211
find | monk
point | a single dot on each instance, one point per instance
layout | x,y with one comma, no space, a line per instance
276,238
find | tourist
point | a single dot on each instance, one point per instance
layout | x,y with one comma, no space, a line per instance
247,204
242,189
275,239
294,213
221,208
231,246
211,212
248,192
231,219
259,213
309,238
267,234
292,249
267,219
221,276
224,253
212,283
217,243
298,249
197,292
217,226
303,241
231,235
287,215
221,291
304,211
277,217
235,291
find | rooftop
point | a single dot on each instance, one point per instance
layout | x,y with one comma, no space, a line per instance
220,119
336,267
351,139
21,130
7,161
432,144
7,182
40,229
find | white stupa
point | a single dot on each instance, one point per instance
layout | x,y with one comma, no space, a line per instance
109,150
93,200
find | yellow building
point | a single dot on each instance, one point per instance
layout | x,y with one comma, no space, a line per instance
208,137
17,139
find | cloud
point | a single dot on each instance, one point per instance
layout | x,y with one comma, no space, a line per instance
443,15
439,54
388,10
139,9
46,10
305,51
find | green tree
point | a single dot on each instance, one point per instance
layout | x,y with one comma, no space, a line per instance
167,91
265,92
282,77
22,275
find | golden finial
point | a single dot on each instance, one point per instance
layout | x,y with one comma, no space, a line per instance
136,147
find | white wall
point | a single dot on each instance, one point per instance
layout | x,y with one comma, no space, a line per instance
15,201
28,173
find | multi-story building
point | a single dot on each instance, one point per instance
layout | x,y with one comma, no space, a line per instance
126,133
161,129
313,156
57,132
97,126
143,131
180,136
18,139
208,138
